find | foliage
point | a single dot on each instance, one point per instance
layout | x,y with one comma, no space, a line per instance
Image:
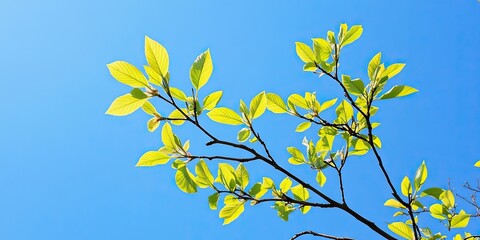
353,128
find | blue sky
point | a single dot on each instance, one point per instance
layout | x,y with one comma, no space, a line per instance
67,169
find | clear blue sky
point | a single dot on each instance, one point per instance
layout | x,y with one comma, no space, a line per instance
67,169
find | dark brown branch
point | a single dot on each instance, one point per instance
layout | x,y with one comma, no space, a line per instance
318,235
242,160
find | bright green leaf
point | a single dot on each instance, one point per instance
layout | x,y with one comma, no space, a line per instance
321,178
204,177
157,56
352,34
242,176
285,185
355,87
300,193
393,203
225,115
226,175
302,127
406,187
398,91
433,192
438,211
178,94
127,74
211,101
201,70
153,124
297,156
304,52
373,65
213,201
152,158
477,164
231,212
243,134
460,220
258,105
168,138
328,104
402,230
321,49
149,109
125,105
393,70
297,100
275,103
344,112
185,180
447,198
420,176
176,114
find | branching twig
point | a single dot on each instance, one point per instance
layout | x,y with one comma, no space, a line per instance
319,235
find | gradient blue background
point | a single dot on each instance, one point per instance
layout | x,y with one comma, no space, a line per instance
67,169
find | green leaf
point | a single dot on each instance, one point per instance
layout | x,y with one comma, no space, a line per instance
393,203
201,70
268,183
125,105
402,230
393,70
213,201
168,137
355,87
275,103
225,115
302,127
178,94
257,191
204,177
438,211
152,158
153,76
231,212
285,185
460,220
344,112
406,187
352,34
127,74
321,178
157,56
226,175
309,67
258,105
153,124
176,114
420,176
297,100
433,192
241,176
297,156
243,134
185,180
300,193
398,91
328,104
304,52
137,93
447,199
321,49
373,65
211,101
149,109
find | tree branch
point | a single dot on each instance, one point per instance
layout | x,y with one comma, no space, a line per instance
318,235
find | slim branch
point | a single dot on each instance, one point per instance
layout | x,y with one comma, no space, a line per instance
318,235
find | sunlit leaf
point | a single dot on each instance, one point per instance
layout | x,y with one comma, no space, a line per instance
213,201
373,65
398,91
258,105
321,49
152,158
304,52
406,187
201,70
242,176
204,176
460,220
231,212
125,105
225,115
352,34
321,178
402,230
185,180
157,56
275,103
127,74
302,127
420,176
211,101
300,193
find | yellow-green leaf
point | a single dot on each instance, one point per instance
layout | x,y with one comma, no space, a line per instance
242,176
213,200
226,175
125,105
127,74
225,115
447,199
168,138
211,101
460,220
300,193
231,212
321,178
328,104
285,185
201,70
153,76
152,158
304,52
157,56
297,100
176,114
149,109
258,105
204,178
438,211
275,103
406,187
393,203
402,230
393,70
477,164
178,94
352,34
185,180
297,156
398,91
321,50
153,124
373,65
303,126
344,112
420,176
